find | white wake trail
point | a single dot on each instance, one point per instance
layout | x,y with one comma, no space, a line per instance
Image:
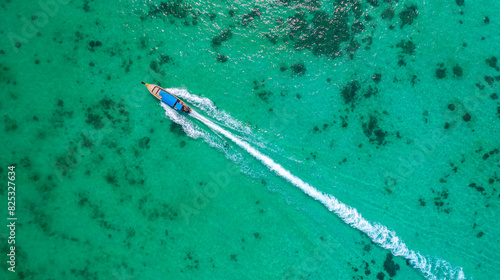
207,106
195,132
431,268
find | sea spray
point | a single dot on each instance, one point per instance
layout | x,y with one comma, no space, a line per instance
195,132
431,268
208,107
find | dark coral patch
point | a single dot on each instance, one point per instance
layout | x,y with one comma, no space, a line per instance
323,34
441,73
490,153
492,62
308,4
163,59
370,91
257,84
224,36
111,178
107,103
457,71
344,121
460,2
353,46
373,131
156,67
177,129
177,9
298,25
408,15
357,27
94,119
271,38
368,40
377,77
212,16
221,58
388,14
422,202
94,44
440,199
476,187
390,266
10,123
349,93
59,116
264,95
490,80
144,143
466,117
64,164
299,68
87,142
407,47
414,80
249,17
356,8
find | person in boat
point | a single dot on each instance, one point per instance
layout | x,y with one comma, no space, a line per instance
185,108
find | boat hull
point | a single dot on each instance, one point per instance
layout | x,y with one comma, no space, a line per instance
166,97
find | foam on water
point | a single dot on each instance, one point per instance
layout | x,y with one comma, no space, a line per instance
430,267
207,106
195,132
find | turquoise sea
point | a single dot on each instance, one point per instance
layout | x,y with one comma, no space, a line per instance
390,107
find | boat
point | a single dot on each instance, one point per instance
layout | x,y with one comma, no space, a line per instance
168,98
